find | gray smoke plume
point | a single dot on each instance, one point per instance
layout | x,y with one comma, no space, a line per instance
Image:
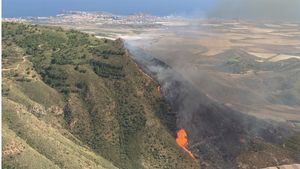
217,133
274,10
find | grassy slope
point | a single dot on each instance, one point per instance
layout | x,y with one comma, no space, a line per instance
75,99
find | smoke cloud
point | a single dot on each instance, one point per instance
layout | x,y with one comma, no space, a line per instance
277,10
215,130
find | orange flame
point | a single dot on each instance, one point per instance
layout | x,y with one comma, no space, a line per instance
158,89
182,141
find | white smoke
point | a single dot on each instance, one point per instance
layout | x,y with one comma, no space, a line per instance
274,10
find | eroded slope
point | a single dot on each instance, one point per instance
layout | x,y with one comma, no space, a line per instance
70,100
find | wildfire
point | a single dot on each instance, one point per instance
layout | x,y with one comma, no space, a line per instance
158,89
182,141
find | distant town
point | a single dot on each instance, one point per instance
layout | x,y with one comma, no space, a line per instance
101,18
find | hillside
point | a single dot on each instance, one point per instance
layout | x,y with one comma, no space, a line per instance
71,100
220,136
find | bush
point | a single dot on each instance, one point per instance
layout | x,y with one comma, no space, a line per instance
108,70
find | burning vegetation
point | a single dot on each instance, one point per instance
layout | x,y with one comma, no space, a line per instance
182,141
158,89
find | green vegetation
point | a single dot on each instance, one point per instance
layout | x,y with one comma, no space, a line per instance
71,100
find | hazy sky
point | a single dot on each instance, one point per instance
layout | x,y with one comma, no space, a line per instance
250,9
257,9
